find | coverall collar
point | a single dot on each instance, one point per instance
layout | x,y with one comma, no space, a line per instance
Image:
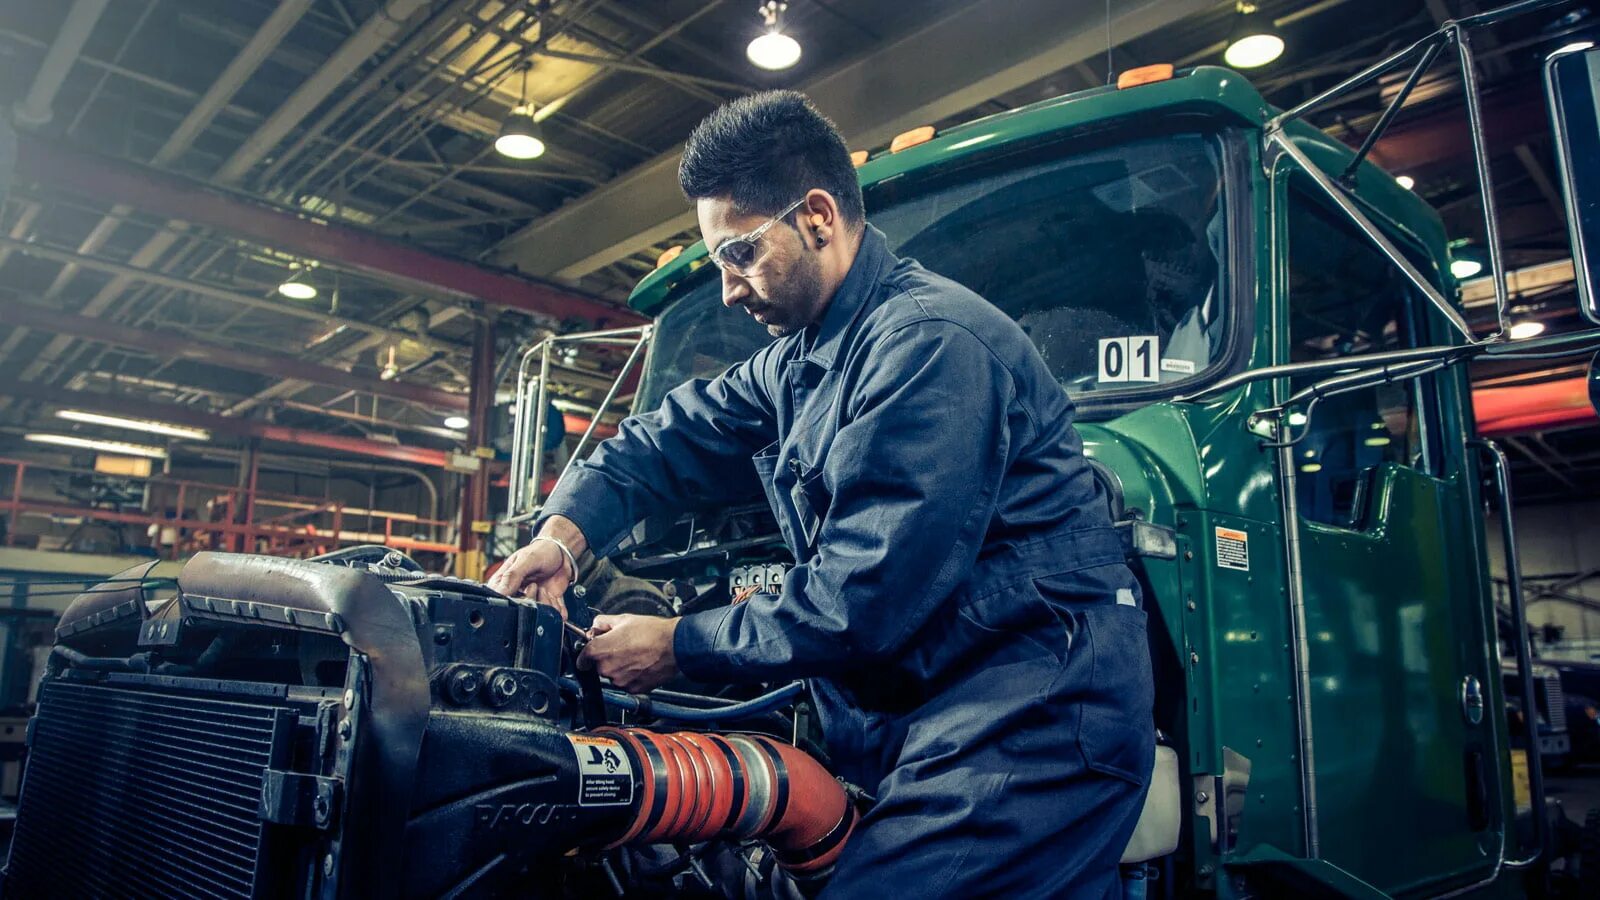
873,261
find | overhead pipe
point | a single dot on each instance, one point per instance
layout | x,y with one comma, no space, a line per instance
34,110
373,34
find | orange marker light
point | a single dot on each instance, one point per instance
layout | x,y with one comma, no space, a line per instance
911,138
858,158
1144,75
668,255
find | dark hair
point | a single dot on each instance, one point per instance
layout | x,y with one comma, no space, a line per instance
765,151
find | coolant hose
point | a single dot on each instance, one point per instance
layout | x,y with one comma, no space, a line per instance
695,786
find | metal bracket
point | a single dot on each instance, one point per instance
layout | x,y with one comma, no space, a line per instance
298,798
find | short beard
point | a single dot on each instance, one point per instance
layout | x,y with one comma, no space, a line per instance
802,287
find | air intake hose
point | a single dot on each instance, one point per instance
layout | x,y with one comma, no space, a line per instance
694,786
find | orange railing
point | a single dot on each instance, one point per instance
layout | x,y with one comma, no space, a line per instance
197,515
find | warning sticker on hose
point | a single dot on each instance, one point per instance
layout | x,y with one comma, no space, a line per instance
605,776
1233,549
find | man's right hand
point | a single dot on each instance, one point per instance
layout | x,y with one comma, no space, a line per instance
540,570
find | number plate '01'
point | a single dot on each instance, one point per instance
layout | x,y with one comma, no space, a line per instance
1136,358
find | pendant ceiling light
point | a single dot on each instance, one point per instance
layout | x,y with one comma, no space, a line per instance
1254,41
520,135
773,49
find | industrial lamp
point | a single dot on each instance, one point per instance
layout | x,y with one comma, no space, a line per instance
295,287
773,49
1465,262
1255,41
519,136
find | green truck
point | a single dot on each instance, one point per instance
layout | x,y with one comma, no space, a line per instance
1260,330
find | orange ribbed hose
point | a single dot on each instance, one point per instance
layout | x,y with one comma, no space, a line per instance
695,786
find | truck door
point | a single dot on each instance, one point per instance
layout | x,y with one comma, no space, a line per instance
1389,582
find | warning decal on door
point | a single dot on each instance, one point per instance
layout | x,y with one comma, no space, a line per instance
1233,549
605,776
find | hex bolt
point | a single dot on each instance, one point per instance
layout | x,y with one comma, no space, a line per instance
344,730
441,635
464,685
1201,797
393,559
502,688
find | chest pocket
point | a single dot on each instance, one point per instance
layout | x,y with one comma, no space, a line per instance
810,499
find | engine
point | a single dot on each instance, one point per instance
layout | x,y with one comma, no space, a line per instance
355,727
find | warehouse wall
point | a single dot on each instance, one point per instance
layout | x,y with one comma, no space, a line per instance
1558,539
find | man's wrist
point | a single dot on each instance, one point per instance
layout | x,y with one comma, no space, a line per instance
567,532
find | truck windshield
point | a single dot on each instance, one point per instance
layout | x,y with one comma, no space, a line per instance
1110,259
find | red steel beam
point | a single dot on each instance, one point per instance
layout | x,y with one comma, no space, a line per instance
122,405
1533,407
32,315
108,179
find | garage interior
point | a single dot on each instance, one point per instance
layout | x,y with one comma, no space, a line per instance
266,279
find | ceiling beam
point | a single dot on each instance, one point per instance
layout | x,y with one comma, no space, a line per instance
178,346
233,298
176,197
125,405
927,76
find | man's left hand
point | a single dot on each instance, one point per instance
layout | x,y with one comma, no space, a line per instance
635,652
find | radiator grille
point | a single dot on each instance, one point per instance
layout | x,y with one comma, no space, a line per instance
1555,702
140,793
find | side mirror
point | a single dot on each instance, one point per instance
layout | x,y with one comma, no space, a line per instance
1572,84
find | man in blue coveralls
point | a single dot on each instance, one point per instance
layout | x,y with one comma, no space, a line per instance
974,641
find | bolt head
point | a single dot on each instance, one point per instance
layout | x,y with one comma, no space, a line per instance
1201,797
579,591
344,730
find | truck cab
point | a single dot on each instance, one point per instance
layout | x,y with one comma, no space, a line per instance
1154,247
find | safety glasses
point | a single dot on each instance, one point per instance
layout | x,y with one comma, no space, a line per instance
740,255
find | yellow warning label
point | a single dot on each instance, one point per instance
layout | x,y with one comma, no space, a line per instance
1519,780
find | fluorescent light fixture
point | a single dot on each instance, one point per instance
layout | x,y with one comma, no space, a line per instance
1297,419
1405,181
519,136
67,440
1311,467
1381,440
457,422
1526,330
298,290
773,50
1465,268
153,427
1576,47
1255,40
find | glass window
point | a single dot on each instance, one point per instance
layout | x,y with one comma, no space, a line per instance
1122,245
1347,298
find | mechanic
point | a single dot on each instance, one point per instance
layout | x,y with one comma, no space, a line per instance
974,641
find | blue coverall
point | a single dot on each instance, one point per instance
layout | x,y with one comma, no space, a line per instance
974,639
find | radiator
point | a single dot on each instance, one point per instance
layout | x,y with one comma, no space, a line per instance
149,793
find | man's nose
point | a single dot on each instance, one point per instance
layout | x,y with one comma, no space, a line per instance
734,288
